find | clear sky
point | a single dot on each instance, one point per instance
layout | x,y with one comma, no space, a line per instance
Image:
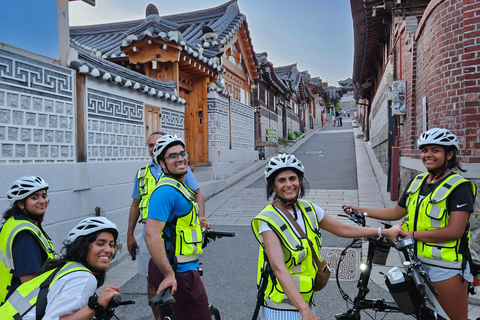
315,34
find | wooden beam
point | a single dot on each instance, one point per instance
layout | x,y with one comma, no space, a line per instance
80,116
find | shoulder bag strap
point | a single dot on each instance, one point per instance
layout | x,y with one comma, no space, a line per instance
42,295
302,234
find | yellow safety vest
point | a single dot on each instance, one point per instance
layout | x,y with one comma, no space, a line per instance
25,297
186,234
431,213
297,255
7,235
146,185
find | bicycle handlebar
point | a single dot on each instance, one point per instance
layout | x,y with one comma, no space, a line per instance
218,234
117,301
163,298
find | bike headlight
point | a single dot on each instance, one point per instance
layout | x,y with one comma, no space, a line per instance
363,266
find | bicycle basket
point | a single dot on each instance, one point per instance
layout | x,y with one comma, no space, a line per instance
404,294
381,252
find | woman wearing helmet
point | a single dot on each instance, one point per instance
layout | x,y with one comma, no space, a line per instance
437,205
287,268
74,277
24,243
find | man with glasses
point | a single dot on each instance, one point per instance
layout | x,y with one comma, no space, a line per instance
144,183
174,211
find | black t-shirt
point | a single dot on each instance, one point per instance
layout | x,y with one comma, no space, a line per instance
460,199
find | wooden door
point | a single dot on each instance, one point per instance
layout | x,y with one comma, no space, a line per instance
153,120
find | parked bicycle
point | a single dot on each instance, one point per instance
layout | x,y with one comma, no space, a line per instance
165,298
414,295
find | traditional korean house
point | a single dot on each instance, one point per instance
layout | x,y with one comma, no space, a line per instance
313,113
208,54
269,99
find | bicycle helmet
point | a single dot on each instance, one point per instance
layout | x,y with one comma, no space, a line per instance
90,225
162,144
438,136
24,187
283,161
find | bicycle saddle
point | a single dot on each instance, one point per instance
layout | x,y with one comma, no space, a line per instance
163,298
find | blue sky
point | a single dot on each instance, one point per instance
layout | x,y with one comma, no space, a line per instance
316,34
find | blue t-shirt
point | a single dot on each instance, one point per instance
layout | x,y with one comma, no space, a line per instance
165,204
156,171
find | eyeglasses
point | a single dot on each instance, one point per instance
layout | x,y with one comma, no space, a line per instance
174,156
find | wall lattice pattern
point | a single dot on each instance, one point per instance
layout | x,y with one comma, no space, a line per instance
36,111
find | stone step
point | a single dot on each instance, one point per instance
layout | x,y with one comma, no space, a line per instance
211,187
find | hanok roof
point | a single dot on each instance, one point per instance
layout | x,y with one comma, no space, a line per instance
268,74
87,63
200,33
371,31
290,75
314,83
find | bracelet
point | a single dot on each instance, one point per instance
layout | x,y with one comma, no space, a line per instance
365,214
413,235
95,306
380,232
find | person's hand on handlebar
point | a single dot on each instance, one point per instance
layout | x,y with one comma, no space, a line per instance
107,294
204,224
168,281
393,232
347,209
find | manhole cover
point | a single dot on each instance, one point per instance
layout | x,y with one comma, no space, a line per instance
349,269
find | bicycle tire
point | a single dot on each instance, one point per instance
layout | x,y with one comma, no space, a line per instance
214,313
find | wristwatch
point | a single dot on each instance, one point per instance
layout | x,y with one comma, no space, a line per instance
95,306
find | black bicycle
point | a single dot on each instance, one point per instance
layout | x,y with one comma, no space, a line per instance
109,311
165,298
414,295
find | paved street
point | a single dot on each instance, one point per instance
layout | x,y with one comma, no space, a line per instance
332,157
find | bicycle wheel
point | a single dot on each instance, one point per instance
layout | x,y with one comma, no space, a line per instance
214,313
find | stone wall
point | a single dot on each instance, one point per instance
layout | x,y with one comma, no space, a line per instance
36,111
243,137
218,122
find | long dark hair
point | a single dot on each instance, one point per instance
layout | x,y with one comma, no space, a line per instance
77,252
454,163
12,212
270,188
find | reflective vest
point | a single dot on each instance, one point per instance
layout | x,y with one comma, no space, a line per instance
431,213
296,251
146,185
7,234
185,232
25,297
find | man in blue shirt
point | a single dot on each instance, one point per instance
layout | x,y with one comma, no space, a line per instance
173,211
149,175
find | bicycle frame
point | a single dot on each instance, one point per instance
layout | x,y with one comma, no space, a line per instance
426,305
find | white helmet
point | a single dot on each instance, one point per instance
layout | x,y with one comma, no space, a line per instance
91,225
24,187
438,136
162,143
283,161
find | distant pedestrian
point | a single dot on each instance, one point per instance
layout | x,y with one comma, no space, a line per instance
340,117
348,112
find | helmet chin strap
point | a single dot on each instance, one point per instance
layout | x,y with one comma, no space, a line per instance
289,203
35,217
442,171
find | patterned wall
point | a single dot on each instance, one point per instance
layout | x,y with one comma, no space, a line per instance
36,111
173,122
243,137
115,128
218,126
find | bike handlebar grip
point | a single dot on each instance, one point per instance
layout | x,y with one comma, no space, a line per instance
224,233
418,279
114,302
163,298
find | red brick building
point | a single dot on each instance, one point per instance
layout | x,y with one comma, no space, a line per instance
431,48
